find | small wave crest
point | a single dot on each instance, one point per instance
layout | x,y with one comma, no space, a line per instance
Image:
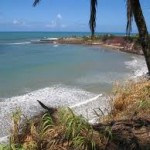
138,66
51,39
18,43
55,96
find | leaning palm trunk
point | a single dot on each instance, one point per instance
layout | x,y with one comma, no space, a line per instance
143,32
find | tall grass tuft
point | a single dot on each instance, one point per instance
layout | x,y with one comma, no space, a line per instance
131,99
77,130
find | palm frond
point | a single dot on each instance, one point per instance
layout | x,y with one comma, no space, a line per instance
129,17
92,21
36,2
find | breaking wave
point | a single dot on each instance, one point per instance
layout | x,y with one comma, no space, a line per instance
82,102
138,66
18,43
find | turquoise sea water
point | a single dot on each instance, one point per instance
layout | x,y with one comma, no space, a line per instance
6,37
25,67
68,75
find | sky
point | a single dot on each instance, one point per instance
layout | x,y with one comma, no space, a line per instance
65,15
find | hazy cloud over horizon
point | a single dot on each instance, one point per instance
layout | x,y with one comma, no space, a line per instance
57,22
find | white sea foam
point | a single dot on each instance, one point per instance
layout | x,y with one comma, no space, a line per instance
52,39
18,43
55,96
87,101
138,66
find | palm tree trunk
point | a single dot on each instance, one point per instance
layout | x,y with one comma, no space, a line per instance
143,32
92,21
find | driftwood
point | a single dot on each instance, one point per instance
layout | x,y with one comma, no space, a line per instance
129,134
51,110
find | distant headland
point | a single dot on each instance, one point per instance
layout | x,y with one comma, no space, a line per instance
123,43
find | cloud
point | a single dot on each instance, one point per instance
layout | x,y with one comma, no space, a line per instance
57,22
22,23
18,22
59,16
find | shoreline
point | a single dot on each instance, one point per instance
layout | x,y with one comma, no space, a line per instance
119,43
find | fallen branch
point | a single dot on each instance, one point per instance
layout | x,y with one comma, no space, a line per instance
51,110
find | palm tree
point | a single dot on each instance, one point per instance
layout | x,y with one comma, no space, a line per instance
133,10
92,21
36,2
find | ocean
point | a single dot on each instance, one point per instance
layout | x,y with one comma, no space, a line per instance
58,74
